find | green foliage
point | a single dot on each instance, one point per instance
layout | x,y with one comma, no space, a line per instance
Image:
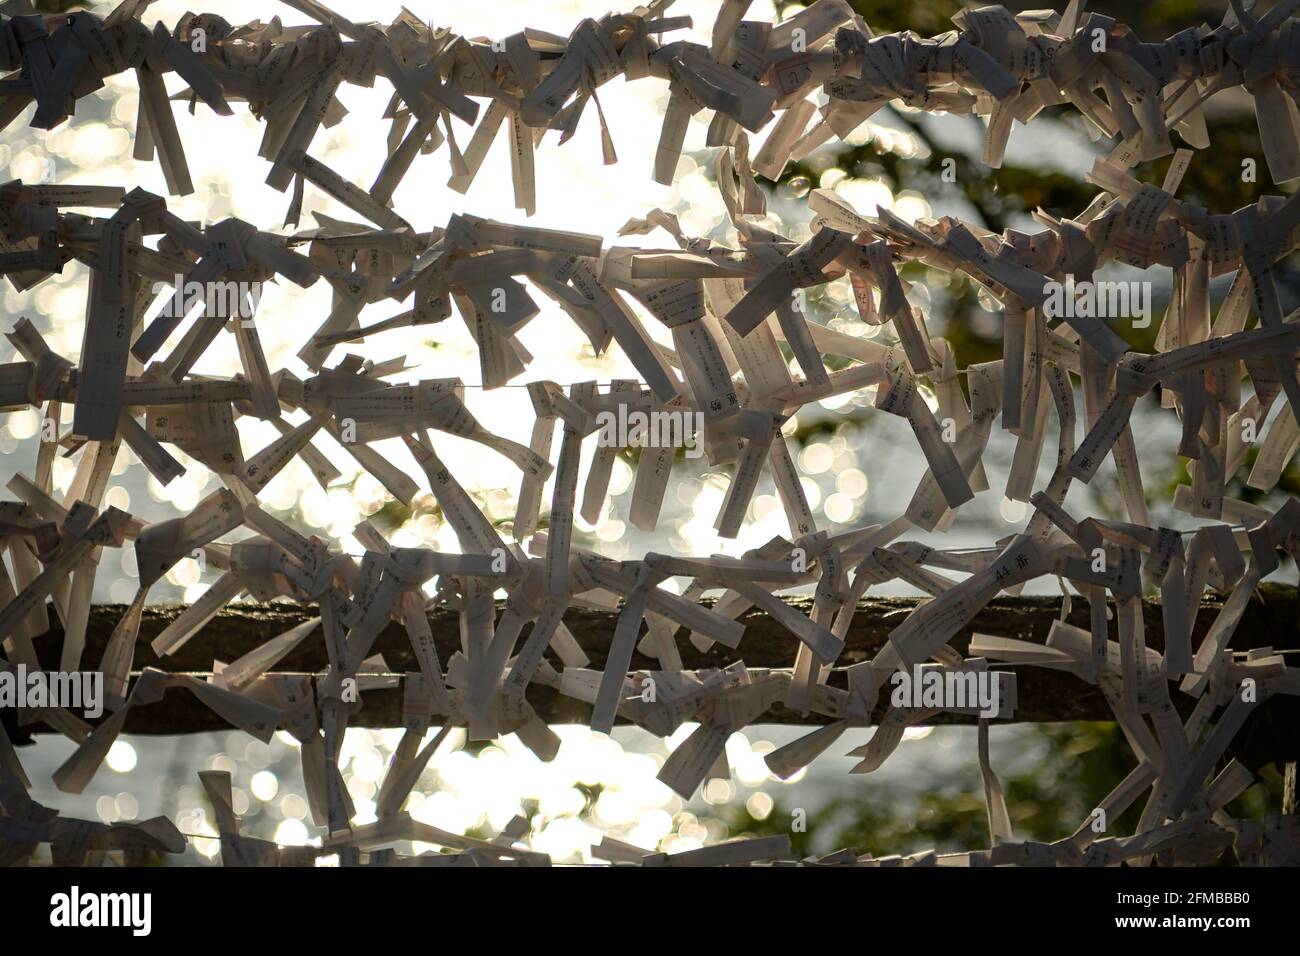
392,515
1047,799
1003,197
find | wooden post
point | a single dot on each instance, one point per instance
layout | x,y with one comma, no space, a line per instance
1044,695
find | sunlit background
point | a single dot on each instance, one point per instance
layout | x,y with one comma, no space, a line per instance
857,466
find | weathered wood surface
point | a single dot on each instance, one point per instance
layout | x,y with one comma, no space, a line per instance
1044,695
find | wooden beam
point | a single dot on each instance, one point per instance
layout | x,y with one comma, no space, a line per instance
1044,695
